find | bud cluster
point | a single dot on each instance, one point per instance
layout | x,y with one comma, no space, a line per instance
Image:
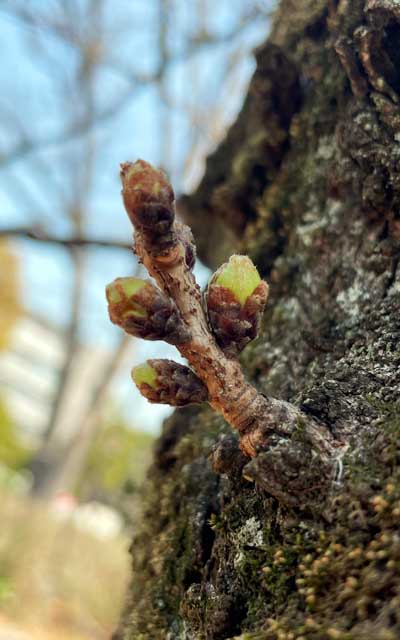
167,382
234,302
144,311
236,298
209,333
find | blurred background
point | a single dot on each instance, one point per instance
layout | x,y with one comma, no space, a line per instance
88,84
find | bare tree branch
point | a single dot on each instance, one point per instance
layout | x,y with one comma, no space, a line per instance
138,81
68,470
40,235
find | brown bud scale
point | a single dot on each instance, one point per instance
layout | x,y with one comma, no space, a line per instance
234,325
177,385
157,319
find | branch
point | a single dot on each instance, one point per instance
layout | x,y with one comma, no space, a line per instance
40,235
137,81
292,453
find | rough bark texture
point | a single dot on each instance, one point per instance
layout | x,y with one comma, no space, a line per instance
308,183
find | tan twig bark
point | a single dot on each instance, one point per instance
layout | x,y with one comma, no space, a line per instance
164,247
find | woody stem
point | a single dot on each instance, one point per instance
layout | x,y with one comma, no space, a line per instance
253,415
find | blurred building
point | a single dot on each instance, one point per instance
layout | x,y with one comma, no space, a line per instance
29,378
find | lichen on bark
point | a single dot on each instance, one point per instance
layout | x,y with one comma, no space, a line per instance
310,181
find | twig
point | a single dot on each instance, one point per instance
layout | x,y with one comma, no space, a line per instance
40,235
285,442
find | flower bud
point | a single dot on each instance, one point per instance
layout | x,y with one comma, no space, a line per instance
144,311
167,382
149,202
236,298
185,236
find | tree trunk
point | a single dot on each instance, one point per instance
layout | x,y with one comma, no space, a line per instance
307,183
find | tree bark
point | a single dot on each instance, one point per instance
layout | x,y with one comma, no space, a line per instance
307,183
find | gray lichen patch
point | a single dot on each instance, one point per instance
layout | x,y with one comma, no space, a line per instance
250,535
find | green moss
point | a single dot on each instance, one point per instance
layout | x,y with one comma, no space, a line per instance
352,565
293,573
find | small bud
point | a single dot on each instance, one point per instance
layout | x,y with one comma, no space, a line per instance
167,382
144,311
185,235
236,298
149,202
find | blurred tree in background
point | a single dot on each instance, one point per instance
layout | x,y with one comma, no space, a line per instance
116,462
10,292
101,82
13,453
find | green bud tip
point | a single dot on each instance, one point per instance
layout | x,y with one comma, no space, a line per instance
240,276
121,290
144,374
